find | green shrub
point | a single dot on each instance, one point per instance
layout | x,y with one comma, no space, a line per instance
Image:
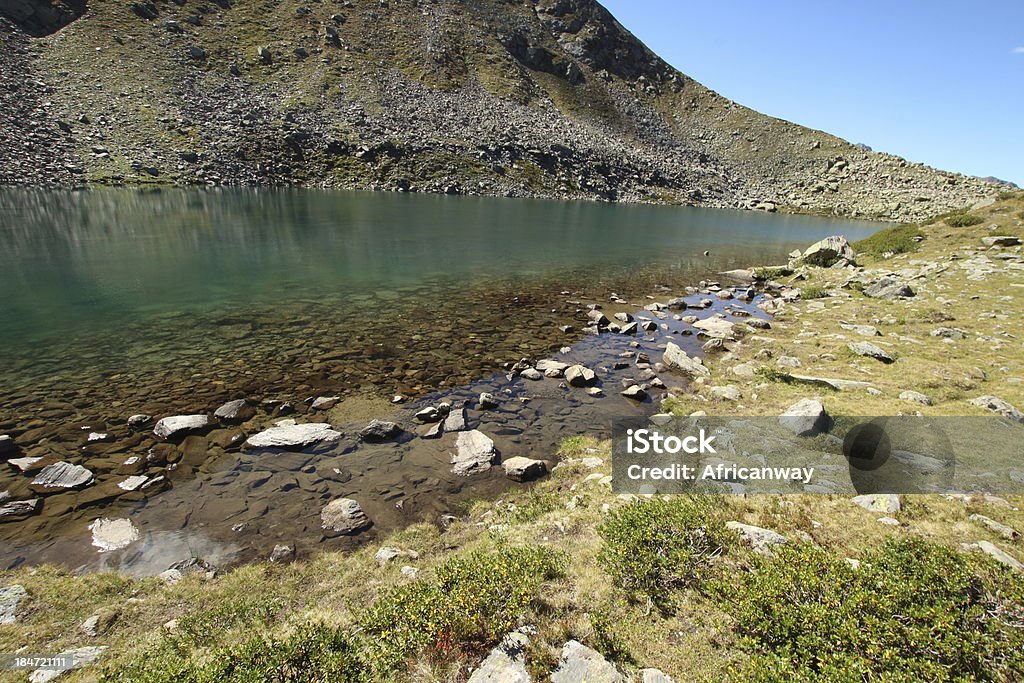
314,653
536,506
654,547
963,220
1009,194
899,239
912,611
472,602
813,292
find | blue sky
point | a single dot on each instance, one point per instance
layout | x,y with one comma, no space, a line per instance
939,82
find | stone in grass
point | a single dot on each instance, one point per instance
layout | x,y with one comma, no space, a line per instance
579,663
996,553
506,663
1009,533
344,516
998,405
915,397
10,598
474,453
654,676
760,540
76,659
524,469
879,502
869,350
806,418
890,289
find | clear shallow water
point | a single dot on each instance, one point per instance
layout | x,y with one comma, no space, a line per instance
119,302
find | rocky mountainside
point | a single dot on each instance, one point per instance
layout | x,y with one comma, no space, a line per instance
550,98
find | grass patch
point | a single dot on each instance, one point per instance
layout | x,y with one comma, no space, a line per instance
963,220
899,239
771,273
470,604
913,610
654,547
813,292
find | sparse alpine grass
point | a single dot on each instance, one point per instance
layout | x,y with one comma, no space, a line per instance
654,547
962,220
912,611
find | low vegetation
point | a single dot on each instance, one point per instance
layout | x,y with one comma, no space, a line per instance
898,239
963,220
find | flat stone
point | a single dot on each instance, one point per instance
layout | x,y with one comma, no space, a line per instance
654,676
113,534
181,425
580,376
379,430
634,392
915,397
862,330
580,664
78,658
428,414
17,509
506,663
295,437
474,453
831,383
806,417
344,516
879,502
869,350
758,539
524,469
139,420
24,465
552,368
235,411
133,483
325,402
1000,241
61,476
889,288
996,405
1009,533
676,359
532,374
997,554
456,420
387,554
719,328
954,333
729,392
10,597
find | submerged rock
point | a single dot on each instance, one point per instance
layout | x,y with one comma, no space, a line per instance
181,425
61,476
379,430
297,436
113,534
235,411
7,445
344,516
487,401
474,453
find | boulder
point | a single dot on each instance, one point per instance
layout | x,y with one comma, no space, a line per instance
456,420
715,327
869,350
61,476
1000,241
10,597
179,426
676,359
806,417
532,374
295,436
580,664
998,405
915,397
759,540
828,252
524,469
889,288
487,401
635,392
506,663
113,534
879,502
552,368
76,659
580,376
344,516
474,453
379,430
598,318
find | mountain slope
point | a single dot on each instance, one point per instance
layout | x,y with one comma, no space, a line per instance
546,98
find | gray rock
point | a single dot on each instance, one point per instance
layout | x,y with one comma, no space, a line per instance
998,405
728,392
828,252
806,417
428,414
387,554
133,483
506,663
235,411
869,350
879,502
758,539
889,288
78,658
598,317
1009,533
139,420
532,374
997,554
630,328
474,453
524,469
580,376
580,664
456,420
552,368
635,392
379,430
344,516
282,553
17,509
862,330
714,346
915,397
487,401
949,333
61,476
181,425
677,304
759,323
654,676
1000,241
715,327
295,436
10,597
676,359
623,317
325,402
113,534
